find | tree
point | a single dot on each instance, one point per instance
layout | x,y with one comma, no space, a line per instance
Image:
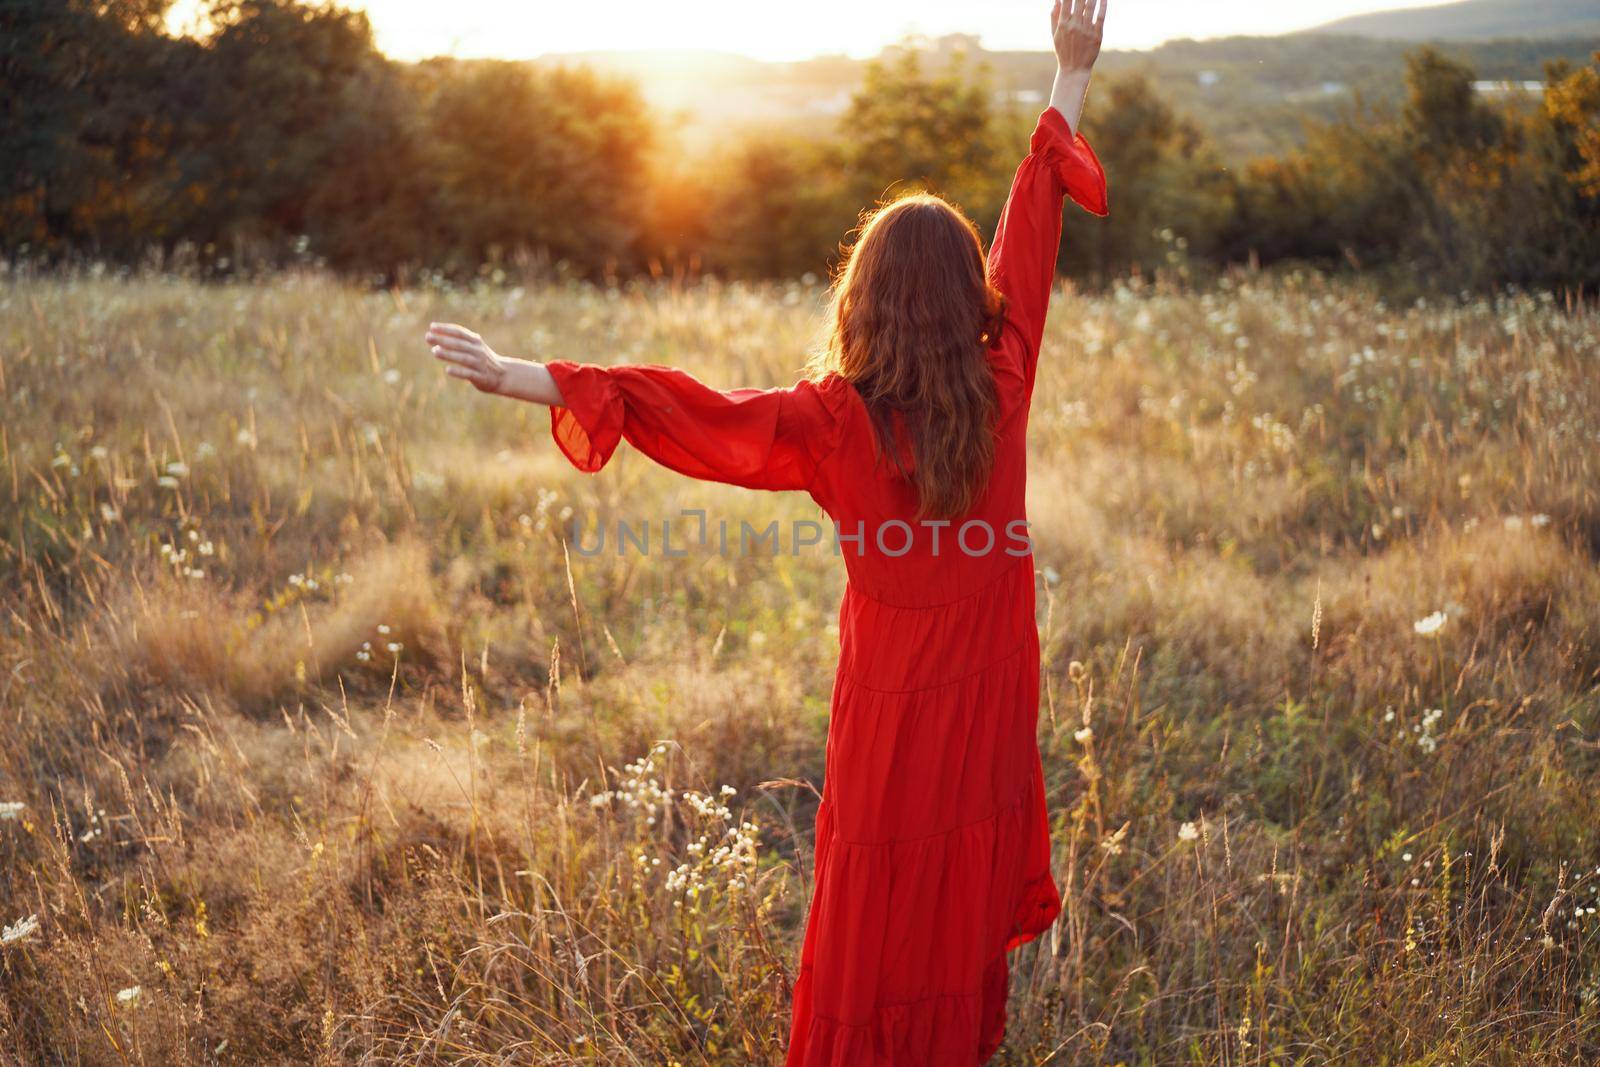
908,128
530,158
1170,196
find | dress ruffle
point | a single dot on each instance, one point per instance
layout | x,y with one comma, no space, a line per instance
917,931
1076,166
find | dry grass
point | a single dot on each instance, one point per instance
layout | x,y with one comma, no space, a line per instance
324,743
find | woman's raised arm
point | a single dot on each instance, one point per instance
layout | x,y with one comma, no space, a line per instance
1060,163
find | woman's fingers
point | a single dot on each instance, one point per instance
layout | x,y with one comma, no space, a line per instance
449,329
467,376
455,345
450,355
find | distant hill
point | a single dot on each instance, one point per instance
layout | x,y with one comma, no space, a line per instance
1253,95
1474,20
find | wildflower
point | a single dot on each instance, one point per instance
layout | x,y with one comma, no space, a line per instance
1430,625
1540,521
109,513
129,998
1083,735
1188,832
177,469
11,809
167,482
383,627
391,376
245,439
21,929
394,646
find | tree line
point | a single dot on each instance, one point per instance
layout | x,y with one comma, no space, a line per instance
284,136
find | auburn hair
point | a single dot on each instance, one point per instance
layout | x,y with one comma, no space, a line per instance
912,315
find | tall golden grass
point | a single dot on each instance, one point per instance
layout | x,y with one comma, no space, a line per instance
322,745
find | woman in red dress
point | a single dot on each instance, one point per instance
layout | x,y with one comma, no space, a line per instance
932,839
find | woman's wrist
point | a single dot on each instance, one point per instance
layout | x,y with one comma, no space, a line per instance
1068,93
524,379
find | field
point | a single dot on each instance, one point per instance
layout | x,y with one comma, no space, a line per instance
321,744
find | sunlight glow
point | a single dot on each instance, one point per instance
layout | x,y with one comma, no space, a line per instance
416,29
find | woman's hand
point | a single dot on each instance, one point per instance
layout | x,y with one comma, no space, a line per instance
469,357
1077,27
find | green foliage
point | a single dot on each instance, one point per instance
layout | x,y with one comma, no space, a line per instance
934,132
1169,195
1449,192
533,159
284,136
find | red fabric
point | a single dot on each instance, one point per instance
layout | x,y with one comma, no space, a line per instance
932,839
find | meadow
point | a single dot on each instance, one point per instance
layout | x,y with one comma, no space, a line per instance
320,744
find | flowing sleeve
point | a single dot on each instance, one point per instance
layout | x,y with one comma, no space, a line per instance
1022,260
756,438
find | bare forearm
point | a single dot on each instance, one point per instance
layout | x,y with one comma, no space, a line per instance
526,380
1068,94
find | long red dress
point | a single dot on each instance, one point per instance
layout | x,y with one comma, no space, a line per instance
932,839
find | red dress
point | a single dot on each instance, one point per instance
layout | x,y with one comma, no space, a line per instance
932,839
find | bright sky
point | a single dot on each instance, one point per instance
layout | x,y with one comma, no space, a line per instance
520,29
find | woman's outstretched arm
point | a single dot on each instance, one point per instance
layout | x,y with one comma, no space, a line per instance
757,438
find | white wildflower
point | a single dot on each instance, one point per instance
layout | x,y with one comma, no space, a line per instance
12,809
19,930
1430,625
129,998
1188,832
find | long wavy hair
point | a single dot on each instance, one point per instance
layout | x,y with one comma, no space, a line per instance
912,314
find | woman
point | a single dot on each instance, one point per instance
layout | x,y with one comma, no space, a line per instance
932,840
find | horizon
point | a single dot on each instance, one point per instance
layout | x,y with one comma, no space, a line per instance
410,30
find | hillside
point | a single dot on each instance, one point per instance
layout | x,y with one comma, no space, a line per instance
1474,20
1253,95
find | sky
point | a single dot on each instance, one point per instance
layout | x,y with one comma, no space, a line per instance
522,29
